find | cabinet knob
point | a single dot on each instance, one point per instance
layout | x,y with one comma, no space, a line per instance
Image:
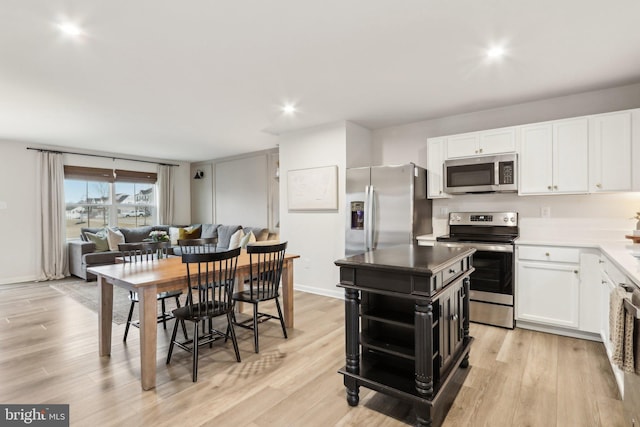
454,317
555,187
575,271
481,150
600,261
598,185
452,271
476,151
546,254
549,187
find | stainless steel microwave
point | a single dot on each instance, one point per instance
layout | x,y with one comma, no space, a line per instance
484,174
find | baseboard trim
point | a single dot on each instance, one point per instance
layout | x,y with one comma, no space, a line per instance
319,291
22,279
557,330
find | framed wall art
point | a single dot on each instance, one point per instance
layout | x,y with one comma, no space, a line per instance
313,189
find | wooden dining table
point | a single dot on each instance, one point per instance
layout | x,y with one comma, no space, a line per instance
148,278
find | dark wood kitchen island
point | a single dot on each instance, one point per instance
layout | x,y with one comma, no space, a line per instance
407,325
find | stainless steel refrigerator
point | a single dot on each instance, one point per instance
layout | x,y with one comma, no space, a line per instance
386,206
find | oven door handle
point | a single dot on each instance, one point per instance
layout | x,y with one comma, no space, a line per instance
487,247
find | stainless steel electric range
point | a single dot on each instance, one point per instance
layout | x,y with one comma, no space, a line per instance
493,235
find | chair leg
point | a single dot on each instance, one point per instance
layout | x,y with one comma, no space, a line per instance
255,327
284,330
184,327
126,328
232,332
173,340
195,351
164,311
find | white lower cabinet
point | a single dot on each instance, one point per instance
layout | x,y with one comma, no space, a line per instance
558,287
548,293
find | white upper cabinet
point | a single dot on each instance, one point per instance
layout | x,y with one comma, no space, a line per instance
436,153
498,141
553,157
610,152
464,145
487,142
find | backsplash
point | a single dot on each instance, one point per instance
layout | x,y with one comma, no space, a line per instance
590,216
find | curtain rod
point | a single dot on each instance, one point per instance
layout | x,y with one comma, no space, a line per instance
99,155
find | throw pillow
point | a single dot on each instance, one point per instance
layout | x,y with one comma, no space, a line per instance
114,237
100,240
174,234
236,237
192,233
248,238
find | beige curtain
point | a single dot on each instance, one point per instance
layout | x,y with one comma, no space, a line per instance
165,194
51,232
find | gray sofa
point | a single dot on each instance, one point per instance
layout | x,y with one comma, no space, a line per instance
82,252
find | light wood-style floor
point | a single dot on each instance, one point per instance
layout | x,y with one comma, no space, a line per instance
49,354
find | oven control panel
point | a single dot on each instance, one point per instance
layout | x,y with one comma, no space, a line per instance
500,219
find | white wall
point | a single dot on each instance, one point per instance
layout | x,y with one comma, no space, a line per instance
18,191
407,143
318,237
241,191
202,201
17,213
401,144
236,190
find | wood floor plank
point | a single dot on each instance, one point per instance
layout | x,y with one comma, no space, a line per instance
50,355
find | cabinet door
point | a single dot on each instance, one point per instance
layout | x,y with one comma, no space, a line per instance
435,168
610,152
463,145
548,293
497,141
536,159
570,156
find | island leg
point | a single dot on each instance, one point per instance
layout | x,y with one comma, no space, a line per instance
423,415
352,344
423,320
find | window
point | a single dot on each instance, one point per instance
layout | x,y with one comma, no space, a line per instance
103,197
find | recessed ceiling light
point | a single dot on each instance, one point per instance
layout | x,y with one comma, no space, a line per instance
70,29
289,109
495,52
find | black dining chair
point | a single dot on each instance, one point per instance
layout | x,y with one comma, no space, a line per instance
211,279
143,252
198,246
264,285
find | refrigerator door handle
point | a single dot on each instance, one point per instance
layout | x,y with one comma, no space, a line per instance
372,218
367,218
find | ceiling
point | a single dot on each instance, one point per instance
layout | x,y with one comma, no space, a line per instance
205,79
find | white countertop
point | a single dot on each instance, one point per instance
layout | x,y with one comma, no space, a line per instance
595,234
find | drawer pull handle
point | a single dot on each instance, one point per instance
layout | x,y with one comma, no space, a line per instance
452,271
600,261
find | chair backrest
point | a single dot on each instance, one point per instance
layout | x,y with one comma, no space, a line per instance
132,252
211,278
198,246
265,269
160,249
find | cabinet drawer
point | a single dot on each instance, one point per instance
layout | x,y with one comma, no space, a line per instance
549,253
